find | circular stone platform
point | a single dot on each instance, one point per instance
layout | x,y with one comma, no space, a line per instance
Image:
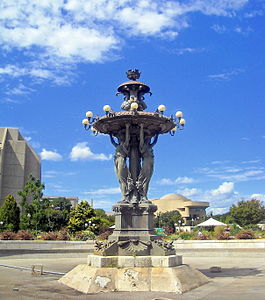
154,122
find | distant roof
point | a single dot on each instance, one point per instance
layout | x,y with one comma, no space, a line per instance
174,197
211,222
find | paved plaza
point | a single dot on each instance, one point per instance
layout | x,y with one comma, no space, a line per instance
241,278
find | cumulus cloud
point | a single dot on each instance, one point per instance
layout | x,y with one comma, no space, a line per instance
82,152
50,155
189,192
58,33
105,191
179,180
225,188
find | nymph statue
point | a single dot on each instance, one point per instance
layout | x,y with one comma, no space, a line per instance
120,160
147,157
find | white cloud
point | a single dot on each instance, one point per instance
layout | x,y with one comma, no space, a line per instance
82,152
106,191
189,192
21,89
260,197
179,180
50,155
223,189
243,176
60,33
236,173
53,174
219,28
226,75
254,13
181,51
254,161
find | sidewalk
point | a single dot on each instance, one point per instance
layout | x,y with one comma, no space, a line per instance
241,278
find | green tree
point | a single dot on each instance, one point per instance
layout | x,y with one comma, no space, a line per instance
248,212
9,214
58,213
106,221
46,215
168,219
31,191
80,217
35,215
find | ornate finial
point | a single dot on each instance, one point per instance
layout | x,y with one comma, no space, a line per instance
133,74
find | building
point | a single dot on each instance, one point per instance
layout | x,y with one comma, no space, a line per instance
73,200
192,212
17,161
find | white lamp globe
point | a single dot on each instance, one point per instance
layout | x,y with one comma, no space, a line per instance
174,129
179,114
134,105
182,122
85,122
89,114
106,108
161,108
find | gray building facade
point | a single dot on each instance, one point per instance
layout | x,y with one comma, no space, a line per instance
17,161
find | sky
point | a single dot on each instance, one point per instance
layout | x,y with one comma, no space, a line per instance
61,58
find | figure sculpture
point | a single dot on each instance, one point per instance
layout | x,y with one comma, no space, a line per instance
147,166
120,160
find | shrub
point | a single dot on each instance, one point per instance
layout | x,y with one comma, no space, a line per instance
49,236
24,235
63,235
104,235
245,235
202,236
253,227
186,235
223,236
219,229
7,235
84,235
234,229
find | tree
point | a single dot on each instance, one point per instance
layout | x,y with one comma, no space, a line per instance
248,212
46,215
9,214
31,191
168,219
80,216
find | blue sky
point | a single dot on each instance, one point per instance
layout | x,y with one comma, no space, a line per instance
60,59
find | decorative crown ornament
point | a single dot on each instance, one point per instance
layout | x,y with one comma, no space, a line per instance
133,74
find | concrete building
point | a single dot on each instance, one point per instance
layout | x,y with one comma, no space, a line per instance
73,200
17,161
192,212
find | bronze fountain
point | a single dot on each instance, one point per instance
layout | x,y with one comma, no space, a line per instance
134,133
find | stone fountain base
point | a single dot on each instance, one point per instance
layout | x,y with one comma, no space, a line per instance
125,273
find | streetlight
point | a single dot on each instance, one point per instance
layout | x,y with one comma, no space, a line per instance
179,221
1,224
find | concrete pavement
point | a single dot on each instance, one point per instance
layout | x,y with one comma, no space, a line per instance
241,278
